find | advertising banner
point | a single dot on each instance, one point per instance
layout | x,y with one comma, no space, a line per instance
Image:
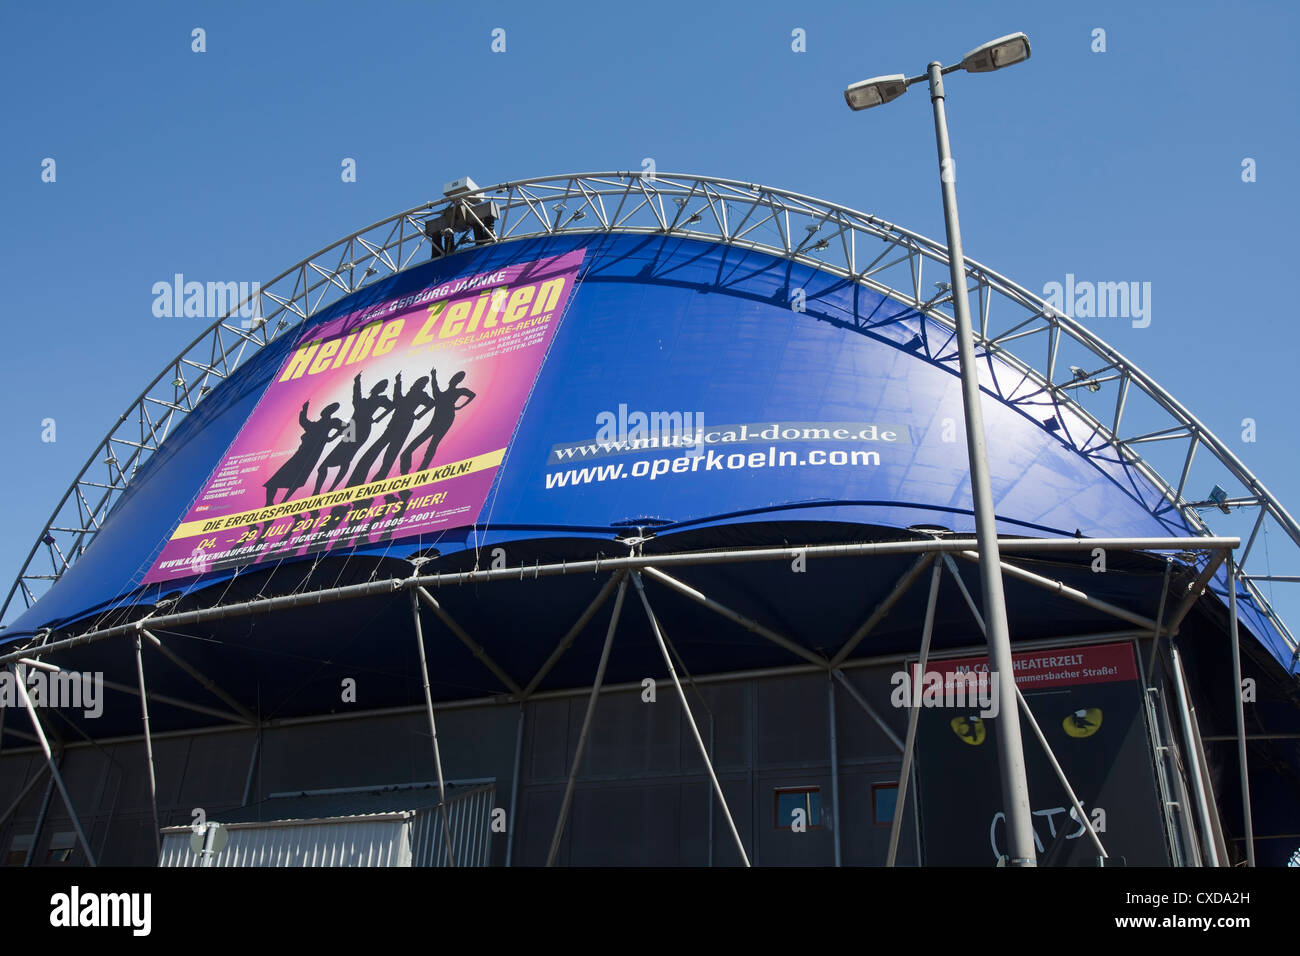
384,423
1088,701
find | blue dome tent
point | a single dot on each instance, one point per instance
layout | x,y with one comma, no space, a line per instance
737,454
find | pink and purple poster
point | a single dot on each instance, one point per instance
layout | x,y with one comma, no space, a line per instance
384,423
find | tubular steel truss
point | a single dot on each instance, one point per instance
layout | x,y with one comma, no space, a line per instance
1130,409
934,553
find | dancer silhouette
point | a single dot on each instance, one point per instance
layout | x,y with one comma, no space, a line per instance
363,417
296,472
407,408
444,414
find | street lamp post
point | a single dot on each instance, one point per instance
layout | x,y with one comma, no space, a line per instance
1004,51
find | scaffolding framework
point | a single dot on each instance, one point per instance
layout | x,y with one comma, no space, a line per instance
1054,356
933,552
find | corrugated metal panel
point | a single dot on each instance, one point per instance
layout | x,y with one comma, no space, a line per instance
469,820
406,838
348,802
358,841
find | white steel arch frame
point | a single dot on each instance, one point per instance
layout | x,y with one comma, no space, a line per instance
1014,324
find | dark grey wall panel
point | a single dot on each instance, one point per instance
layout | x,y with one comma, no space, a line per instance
642,798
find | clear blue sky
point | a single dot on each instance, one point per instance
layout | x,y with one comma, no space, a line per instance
225,165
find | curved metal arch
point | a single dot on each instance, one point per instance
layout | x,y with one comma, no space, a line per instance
832,238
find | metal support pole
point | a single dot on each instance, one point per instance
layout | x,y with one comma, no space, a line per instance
22,794
810,552
21,683
586,724
710,831
433,727
40,819
1033,723
1060,774
474,647
883,608
1216,818
148,751
1193,760
208,853
21,734
175,702
1160,617
1161,753
871,711
1195,589
514,786
573,632
1241,714
1065,591
835,768
1011,756
1176,772
913,716
745,622
690,718
195,673
252,765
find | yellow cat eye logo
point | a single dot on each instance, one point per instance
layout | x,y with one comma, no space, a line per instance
970,729
1083,723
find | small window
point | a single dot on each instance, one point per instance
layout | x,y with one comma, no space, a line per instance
788,801
17,854
884,799
61,845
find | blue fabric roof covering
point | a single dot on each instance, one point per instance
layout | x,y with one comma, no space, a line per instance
662,323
